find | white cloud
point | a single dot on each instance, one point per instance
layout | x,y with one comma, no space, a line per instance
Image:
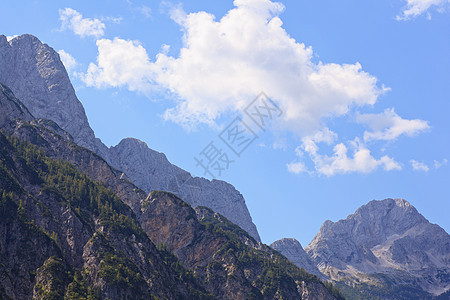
176,12
121,63
280,144
68,60
145,11
416,8
361,160
419,166
247,51
73,20
224,64
389,126
297,167
438,164
115,20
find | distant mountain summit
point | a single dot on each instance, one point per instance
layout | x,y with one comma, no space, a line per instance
386,247
36,75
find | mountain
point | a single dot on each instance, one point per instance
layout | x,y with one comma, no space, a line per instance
150,170
293,251
73,227
36,75
225,257
64,235
386,249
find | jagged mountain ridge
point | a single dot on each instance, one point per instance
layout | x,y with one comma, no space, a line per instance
385,249
151,170
292,249
96,248
36,75
54,242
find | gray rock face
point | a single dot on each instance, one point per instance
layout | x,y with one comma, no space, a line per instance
385,237
150,170
293,251
12,108
37,77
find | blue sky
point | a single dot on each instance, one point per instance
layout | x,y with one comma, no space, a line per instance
363,87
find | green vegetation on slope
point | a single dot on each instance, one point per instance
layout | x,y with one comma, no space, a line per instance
276,272
24,165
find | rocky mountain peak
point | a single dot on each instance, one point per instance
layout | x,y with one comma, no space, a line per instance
387,237
374,222
36,75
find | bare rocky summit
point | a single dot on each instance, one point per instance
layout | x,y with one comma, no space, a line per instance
385,245
36,75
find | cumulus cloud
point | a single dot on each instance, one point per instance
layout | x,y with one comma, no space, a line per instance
68,60
419,166
389,126
247,51
340,162
361,160
224,63
121,63
414,8
73,20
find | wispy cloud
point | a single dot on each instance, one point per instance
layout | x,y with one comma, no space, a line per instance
68,60
73,20
389,126
419,166
297,167
145,11
438,164
415,8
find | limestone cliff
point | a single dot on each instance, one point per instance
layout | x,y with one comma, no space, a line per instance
36,75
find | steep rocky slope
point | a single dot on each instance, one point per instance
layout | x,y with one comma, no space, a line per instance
36,75
293,251
385,249
67,231
150,170
62,233
231,263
